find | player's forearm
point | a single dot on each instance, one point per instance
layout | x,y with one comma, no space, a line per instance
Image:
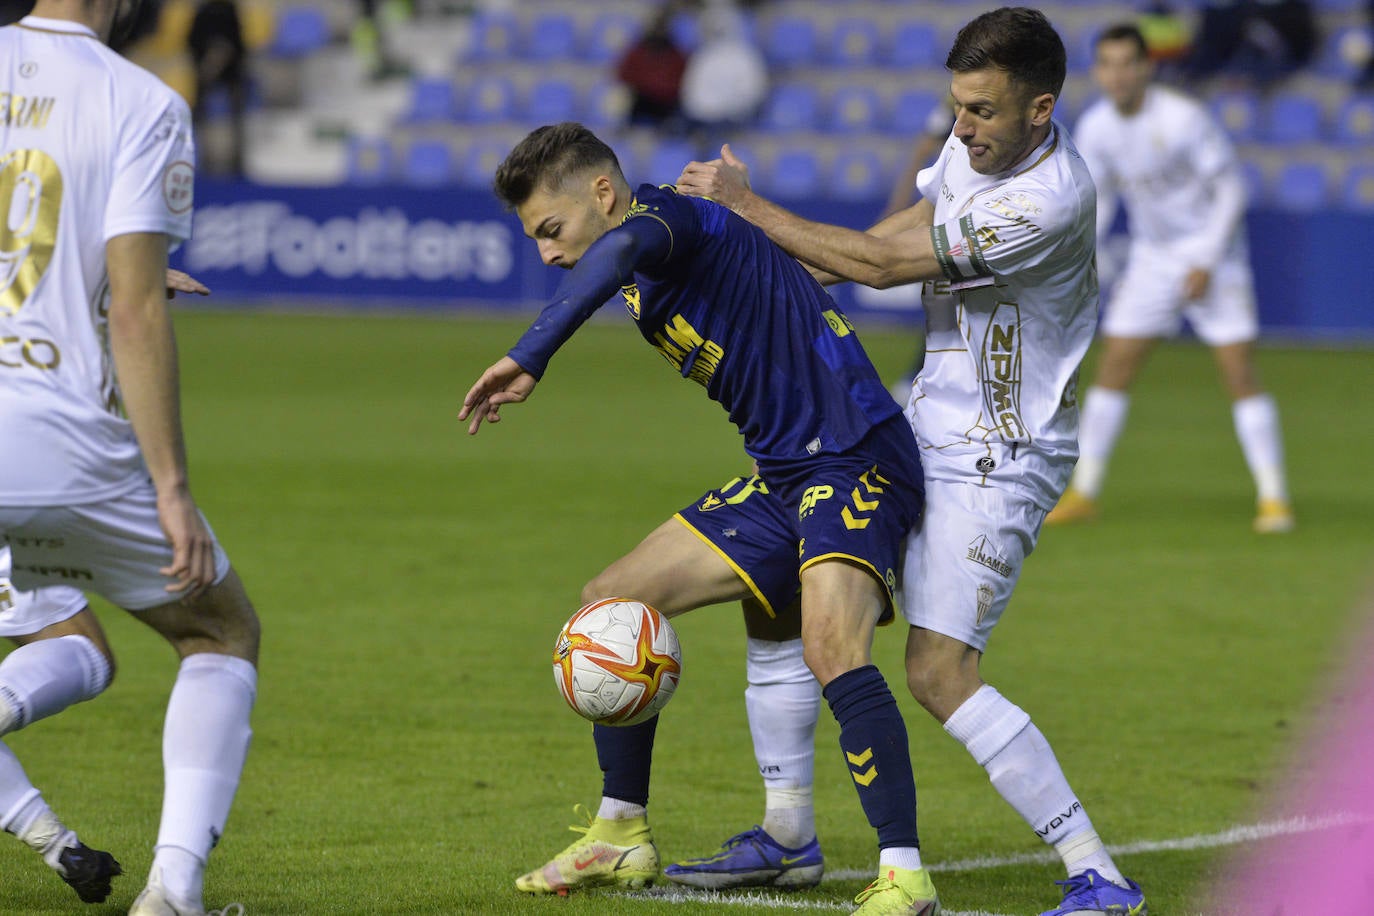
1223,220
145,358
918,216
876,261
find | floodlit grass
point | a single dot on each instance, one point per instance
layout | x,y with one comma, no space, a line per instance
411,754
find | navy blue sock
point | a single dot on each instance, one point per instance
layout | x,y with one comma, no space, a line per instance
626,754
873,738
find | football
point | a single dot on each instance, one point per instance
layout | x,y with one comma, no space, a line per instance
617,661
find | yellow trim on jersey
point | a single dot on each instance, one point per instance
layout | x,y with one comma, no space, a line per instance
83,32
1047,154
744,576
883,619
637,210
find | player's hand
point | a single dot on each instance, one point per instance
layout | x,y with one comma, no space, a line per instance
178,282
192,569
504,383
724,180
1197,281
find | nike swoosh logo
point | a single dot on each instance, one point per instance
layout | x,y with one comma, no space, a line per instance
587,863
791,860
620,862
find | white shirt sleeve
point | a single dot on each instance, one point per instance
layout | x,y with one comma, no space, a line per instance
154,174
1215,164
1013,229
1098,160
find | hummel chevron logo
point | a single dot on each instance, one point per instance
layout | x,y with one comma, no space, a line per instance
858,760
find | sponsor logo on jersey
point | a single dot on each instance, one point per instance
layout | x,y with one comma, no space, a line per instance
690,353
30,111
984,597
985,465
979,553
1001,370
178,186
811,497
18,352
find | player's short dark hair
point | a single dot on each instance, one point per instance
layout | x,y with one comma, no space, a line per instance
1125,31
548,158
1014,39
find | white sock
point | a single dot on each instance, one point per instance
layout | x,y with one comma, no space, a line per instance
1099,426
24,813
1261,440
1023,768
204,743
899,857
615,809
45,677
783,700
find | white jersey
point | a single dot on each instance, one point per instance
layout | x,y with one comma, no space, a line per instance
996,401
91,147
1164,162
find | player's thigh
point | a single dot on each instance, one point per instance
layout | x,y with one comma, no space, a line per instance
47,613
114,548
1227,313
964,561
732,543
776,625
1148,300
220,619
1122,360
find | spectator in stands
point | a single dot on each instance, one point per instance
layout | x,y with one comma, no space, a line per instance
369,37
219,56
726,79
652,69
1260,40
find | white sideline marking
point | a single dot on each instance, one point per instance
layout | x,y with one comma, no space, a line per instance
790,901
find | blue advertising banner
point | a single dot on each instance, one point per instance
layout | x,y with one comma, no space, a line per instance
450,248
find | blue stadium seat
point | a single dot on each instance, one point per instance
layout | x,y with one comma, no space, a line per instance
1080,46
608,35
1344,51
1301,187
915,44
664,164
1252,175
551,36
791,41
301,30
1355,121
370,161
494,35
491,99
911,112
854,41
604,104
427,164
1239,112
477,167
859,174
795,173
550,101
1292,117
854,109
791,107
1357,188
432,98
685,28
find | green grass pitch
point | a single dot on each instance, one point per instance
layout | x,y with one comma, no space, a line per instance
411,754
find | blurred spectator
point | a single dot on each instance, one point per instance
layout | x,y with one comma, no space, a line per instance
1261,40
219,55
652,69
1366,79
370,37
726,79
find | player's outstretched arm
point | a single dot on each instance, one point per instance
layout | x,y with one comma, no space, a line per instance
877,261
504,383
179,282
145,357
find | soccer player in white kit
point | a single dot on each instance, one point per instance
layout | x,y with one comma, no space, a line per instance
96,174
1170,162
1005,238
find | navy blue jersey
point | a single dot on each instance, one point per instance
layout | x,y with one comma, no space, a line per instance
733,312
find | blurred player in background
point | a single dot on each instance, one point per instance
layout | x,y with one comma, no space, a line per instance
96,166
1176,171
734,313
1005,237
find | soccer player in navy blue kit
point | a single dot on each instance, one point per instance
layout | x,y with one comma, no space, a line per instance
734,313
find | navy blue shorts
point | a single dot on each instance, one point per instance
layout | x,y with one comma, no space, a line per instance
752,531
858,505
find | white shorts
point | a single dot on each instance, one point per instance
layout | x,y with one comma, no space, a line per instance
25,613
1148,301
114,548
963,561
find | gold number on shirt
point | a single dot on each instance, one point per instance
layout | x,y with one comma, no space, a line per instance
30,201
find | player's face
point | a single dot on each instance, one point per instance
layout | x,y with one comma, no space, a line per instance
1122,73
996,119
563,223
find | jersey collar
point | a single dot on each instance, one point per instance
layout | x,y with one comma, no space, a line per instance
65,26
